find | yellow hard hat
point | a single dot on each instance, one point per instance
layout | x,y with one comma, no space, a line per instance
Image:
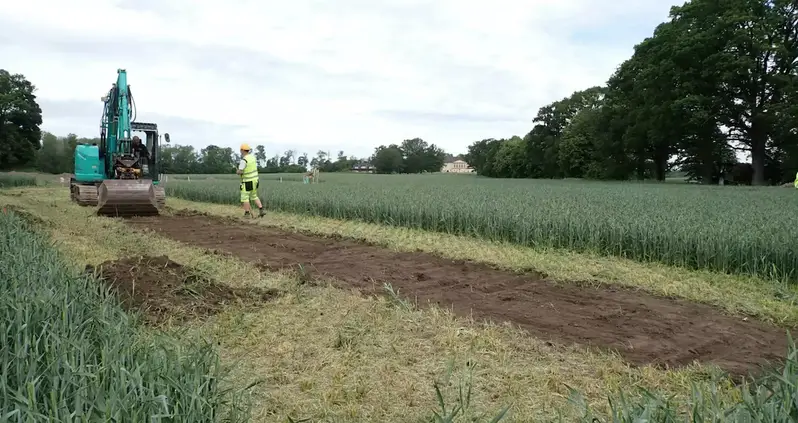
245,147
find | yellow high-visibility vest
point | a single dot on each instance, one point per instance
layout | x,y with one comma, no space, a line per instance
250,172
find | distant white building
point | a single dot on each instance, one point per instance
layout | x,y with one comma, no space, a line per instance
457,166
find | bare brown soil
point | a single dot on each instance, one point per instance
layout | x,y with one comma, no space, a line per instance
164,290
643,328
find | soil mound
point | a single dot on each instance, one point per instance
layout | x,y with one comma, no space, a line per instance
163,290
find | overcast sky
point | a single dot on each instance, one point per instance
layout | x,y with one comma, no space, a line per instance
310,74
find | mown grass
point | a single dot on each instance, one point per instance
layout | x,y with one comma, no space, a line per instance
328,355
740,230
10,180
70,353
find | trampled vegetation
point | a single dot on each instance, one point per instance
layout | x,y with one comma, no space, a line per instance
70,353
736,230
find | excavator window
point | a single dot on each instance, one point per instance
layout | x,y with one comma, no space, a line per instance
150,141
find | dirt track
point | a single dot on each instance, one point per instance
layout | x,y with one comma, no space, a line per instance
641,327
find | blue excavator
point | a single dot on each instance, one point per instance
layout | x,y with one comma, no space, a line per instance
120,176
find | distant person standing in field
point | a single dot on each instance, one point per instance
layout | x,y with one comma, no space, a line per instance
248,169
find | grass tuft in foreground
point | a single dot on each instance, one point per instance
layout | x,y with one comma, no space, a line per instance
70,353
772,398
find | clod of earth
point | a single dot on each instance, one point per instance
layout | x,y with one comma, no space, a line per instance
164,290
642,327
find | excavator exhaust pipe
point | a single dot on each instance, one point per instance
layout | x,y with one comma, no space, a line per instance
129,197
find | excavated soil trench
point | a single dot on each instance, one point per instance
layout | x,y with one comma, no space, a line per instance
163,290
643,328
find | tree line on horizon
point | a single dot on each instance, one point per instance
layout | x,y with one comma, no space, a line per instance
55,155
719,77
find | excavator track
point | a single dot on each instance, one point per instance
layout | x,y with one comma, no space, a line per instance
160,196
84,195
129,197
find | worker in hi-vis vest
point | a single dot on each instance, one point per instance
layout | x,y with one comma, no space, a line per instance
796,180
248,169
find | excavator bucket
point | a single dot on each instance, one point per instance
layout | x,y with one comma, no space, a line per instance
129,197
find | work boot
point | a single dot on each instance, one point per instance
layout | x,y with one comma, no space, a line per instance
247,214
262,213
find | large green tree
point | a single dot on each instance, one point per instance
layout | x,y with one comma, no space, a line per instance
754,69
57,154
20,118
719,77
412,156
388,159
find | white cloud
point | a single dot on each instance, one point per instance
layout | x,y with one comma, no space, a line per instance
308,75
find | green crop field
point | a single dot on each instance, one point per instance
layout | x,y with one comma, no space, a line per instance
730,229
8,180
